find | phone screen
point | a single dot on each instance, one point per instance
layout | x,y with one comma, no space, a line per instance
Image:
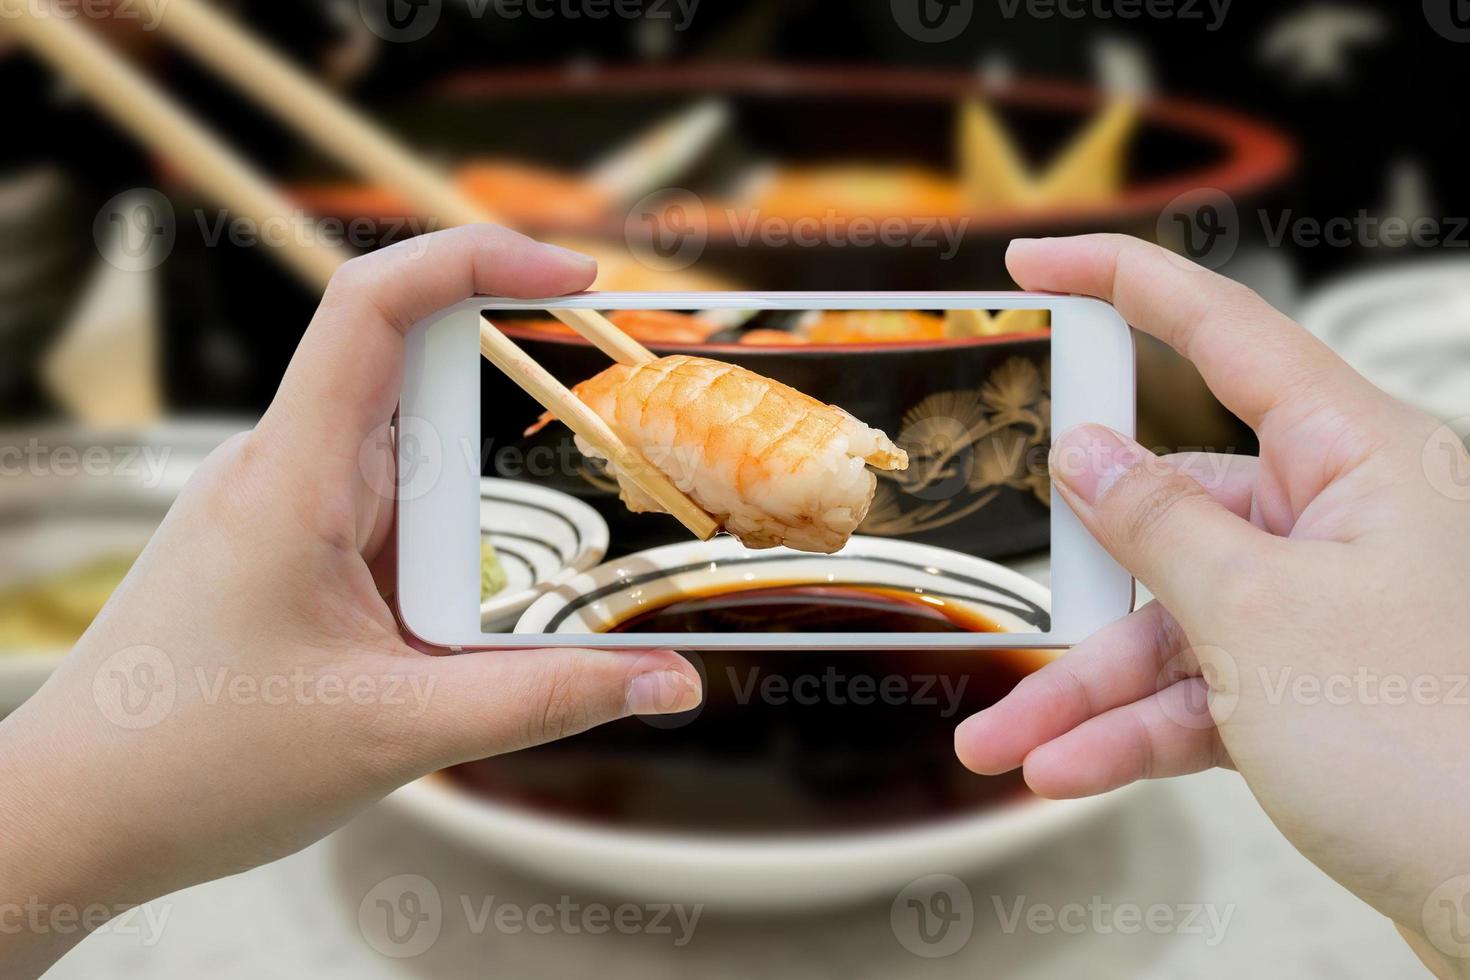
872,470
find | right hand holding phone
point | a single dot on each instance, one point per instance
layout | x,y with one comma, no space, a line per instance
1311,626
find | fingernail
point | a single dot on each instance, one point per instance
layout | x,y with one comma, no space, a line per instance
1090,458
1019,244
567,253
663,692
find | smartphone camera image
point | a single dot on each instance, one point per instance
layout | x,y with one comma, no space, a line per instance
862,464
762,470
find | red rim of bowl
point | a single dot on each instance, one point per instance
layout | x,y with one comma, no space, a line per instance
1254,155
510,330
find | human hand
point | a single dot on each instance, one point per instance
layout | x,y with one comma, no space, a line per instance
280,696
1311,626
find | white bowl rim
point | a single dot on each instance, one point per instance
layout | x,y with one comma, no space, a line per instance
1324,310
677,554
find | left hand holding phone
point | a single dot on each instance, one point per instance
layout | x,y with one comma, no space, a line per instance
247,690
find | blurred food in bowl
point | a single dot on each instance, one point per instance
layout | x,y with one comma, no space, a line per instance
53,612
79,508
875,146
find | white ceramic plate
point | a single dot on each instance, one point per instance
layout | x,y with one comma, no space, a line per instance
1406,329
755,873
544,538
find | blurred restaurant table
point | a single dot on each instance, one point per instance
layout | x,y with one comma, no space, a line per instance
1200,840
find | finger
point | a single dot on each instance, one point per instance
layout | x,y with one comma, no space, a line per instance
1228,478
1120,664
1156,521
500,701
1149,739
343,382
1252,357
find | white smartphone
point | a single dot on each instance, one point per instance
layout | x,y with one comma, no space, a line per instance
509,536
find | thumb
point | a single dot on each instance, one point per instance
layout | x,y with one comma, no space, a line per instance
1159,523
503,700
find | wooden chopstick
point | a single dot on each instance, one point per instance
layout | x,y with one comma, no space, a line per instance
343,133
138,106
605,336
316,114
536,381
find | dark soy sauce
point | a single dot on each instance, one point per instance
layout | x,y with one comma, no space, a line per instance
786,741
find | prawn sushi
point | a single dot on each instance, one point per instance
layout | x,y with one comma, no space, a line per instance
772,465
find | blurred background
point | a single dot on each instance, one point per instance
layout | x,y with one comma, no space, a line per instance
182,176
